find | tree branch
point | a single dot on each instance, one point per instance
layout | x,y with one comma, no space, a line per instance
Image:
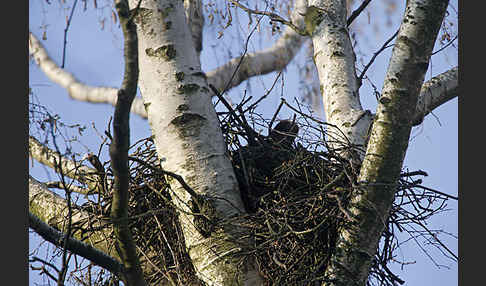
75,246
76,89
71,188
385,46
273,16
357,12
65,33
52,210
69,168
263,62
119,146
436,92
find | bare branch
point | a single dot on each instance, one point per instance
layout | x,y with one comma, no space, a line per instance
436,92
357,12
43,269
446,45
273,16
76,89
72,188
75,246
385,46
66,31
119,146
69,168
52,209
263,62
437,192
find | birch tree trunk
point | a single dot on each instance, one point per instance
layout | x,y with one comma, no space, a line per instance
187,134
335,63
370,205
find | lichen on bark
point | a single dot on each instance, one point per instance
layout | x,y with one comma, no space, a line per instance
166,52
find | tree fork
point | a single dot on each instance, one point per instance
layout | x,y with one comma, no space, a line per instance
380,171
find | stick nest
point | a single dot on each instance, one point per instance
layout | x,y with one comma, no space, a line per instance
295,193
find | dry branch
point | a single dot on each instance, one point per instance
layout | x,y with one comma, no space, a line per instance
75,246
436,92
133,274
76,89
68,167
52,209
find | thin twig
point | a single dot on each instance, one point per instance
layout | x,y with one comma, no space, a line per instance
444,47
358,11
66,31
252,135
64,242
275,116
385,46
414,173
273,16
75,246
242,57
168,173
37,259
265,95
438,192
72,188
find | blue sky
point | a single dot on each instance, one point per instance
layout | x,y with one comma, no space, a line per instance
94,56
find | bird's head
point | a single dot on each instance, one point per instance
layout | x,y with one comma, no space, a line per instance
284,133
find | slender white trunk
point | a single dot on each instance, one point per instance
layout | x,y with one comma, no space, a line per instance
335,63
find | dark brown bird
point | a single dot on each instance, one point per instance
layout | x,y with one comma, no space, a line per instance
284,133
261,160
95,161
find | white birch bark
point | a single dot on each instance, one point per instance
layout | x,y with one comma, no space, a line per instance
335,62
371,203
436,92
187,134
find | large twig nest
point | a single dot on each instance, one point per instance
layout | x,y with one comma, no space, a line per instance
295,191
